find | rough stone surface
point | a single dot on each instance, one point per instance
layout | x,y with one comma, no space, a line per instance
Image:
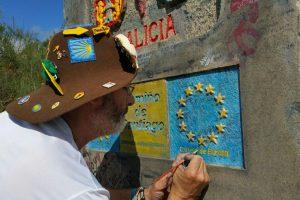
264,41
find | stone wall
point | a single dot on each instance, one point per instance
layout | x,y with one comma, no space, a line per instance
183,39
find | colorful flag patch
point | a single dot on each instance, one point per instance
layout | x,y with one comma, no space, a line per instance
81,50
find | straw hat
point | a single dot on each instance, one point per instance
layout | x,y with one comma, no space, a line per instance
79,67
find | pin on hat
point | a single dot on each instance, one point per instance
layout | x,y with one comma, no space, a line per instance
55,105
24,99
78,95
36,108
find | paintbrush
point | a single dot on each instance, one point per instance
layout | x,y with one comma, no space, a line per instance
173,169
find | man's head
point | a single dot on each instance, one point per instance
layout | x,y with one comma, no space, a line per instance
80,68
102,116
109,112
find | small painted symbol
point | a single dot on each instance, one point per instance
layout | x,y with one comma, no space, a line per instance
210,89
23,100
55,105
220,128
201,141
78,95
182,102
182,126
190,136
199,87
213,138
219,99
188,91
36,108
180,114
223,113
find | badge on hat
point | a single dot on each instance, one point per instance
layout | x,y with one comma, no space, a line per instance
78,95
23,100
50,74
75,31
81,49
36,108
125,45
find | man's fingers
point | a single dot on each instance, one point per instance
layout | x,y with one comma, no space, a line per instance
188,156
178,159
195,163
163,182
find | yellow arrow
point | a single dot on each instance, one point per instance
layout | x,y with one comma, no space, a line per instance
53,80
75,31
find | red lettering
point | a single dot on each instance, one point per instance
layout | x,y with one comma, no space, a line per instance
238,4
243,29
161,29
150,32
129,36
170,26
237,36
146,35
137,45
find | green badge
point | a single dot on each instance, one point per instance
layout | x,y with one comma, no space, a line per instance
36,108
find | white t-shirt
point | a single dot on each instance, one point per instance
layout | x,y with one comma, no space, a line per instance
42,162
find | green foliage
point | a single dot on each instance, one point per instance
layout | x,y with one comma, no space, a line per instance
20,63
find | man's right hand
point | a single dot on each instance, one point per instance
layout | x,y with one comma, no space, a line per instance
189,181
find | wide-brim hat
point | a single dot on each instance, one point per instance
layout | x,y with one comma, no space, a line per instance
80,67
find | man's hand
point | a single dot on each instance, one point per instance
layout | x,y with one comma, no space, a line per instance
189,181
158,189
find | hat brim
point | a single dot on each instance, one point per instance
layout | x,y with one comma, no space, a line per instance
53,105
45,103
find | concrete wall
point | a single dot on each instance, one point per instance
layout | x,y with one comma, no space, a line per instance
262,38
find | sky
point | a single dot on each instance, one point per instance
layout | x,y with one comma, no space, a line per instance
40,17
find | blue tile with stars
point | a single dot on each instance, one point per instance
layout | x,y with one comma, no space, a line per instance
205,118
105,143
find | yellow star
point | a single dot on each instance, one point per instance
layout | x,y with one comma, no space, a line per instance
210,89
220,128
223,113
213,138
182,101
180,113
100,138
190,136
182,126
201,141
188,91
107,137
219,99
199,87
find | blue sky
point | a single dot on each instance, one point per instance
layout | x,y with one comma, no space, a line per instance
38,16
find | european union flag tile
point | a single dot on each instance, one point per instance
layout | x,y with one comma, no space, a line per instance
81,49
205,118
105,143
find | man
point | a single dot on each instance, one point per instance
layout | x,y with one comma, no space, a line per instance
86,95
